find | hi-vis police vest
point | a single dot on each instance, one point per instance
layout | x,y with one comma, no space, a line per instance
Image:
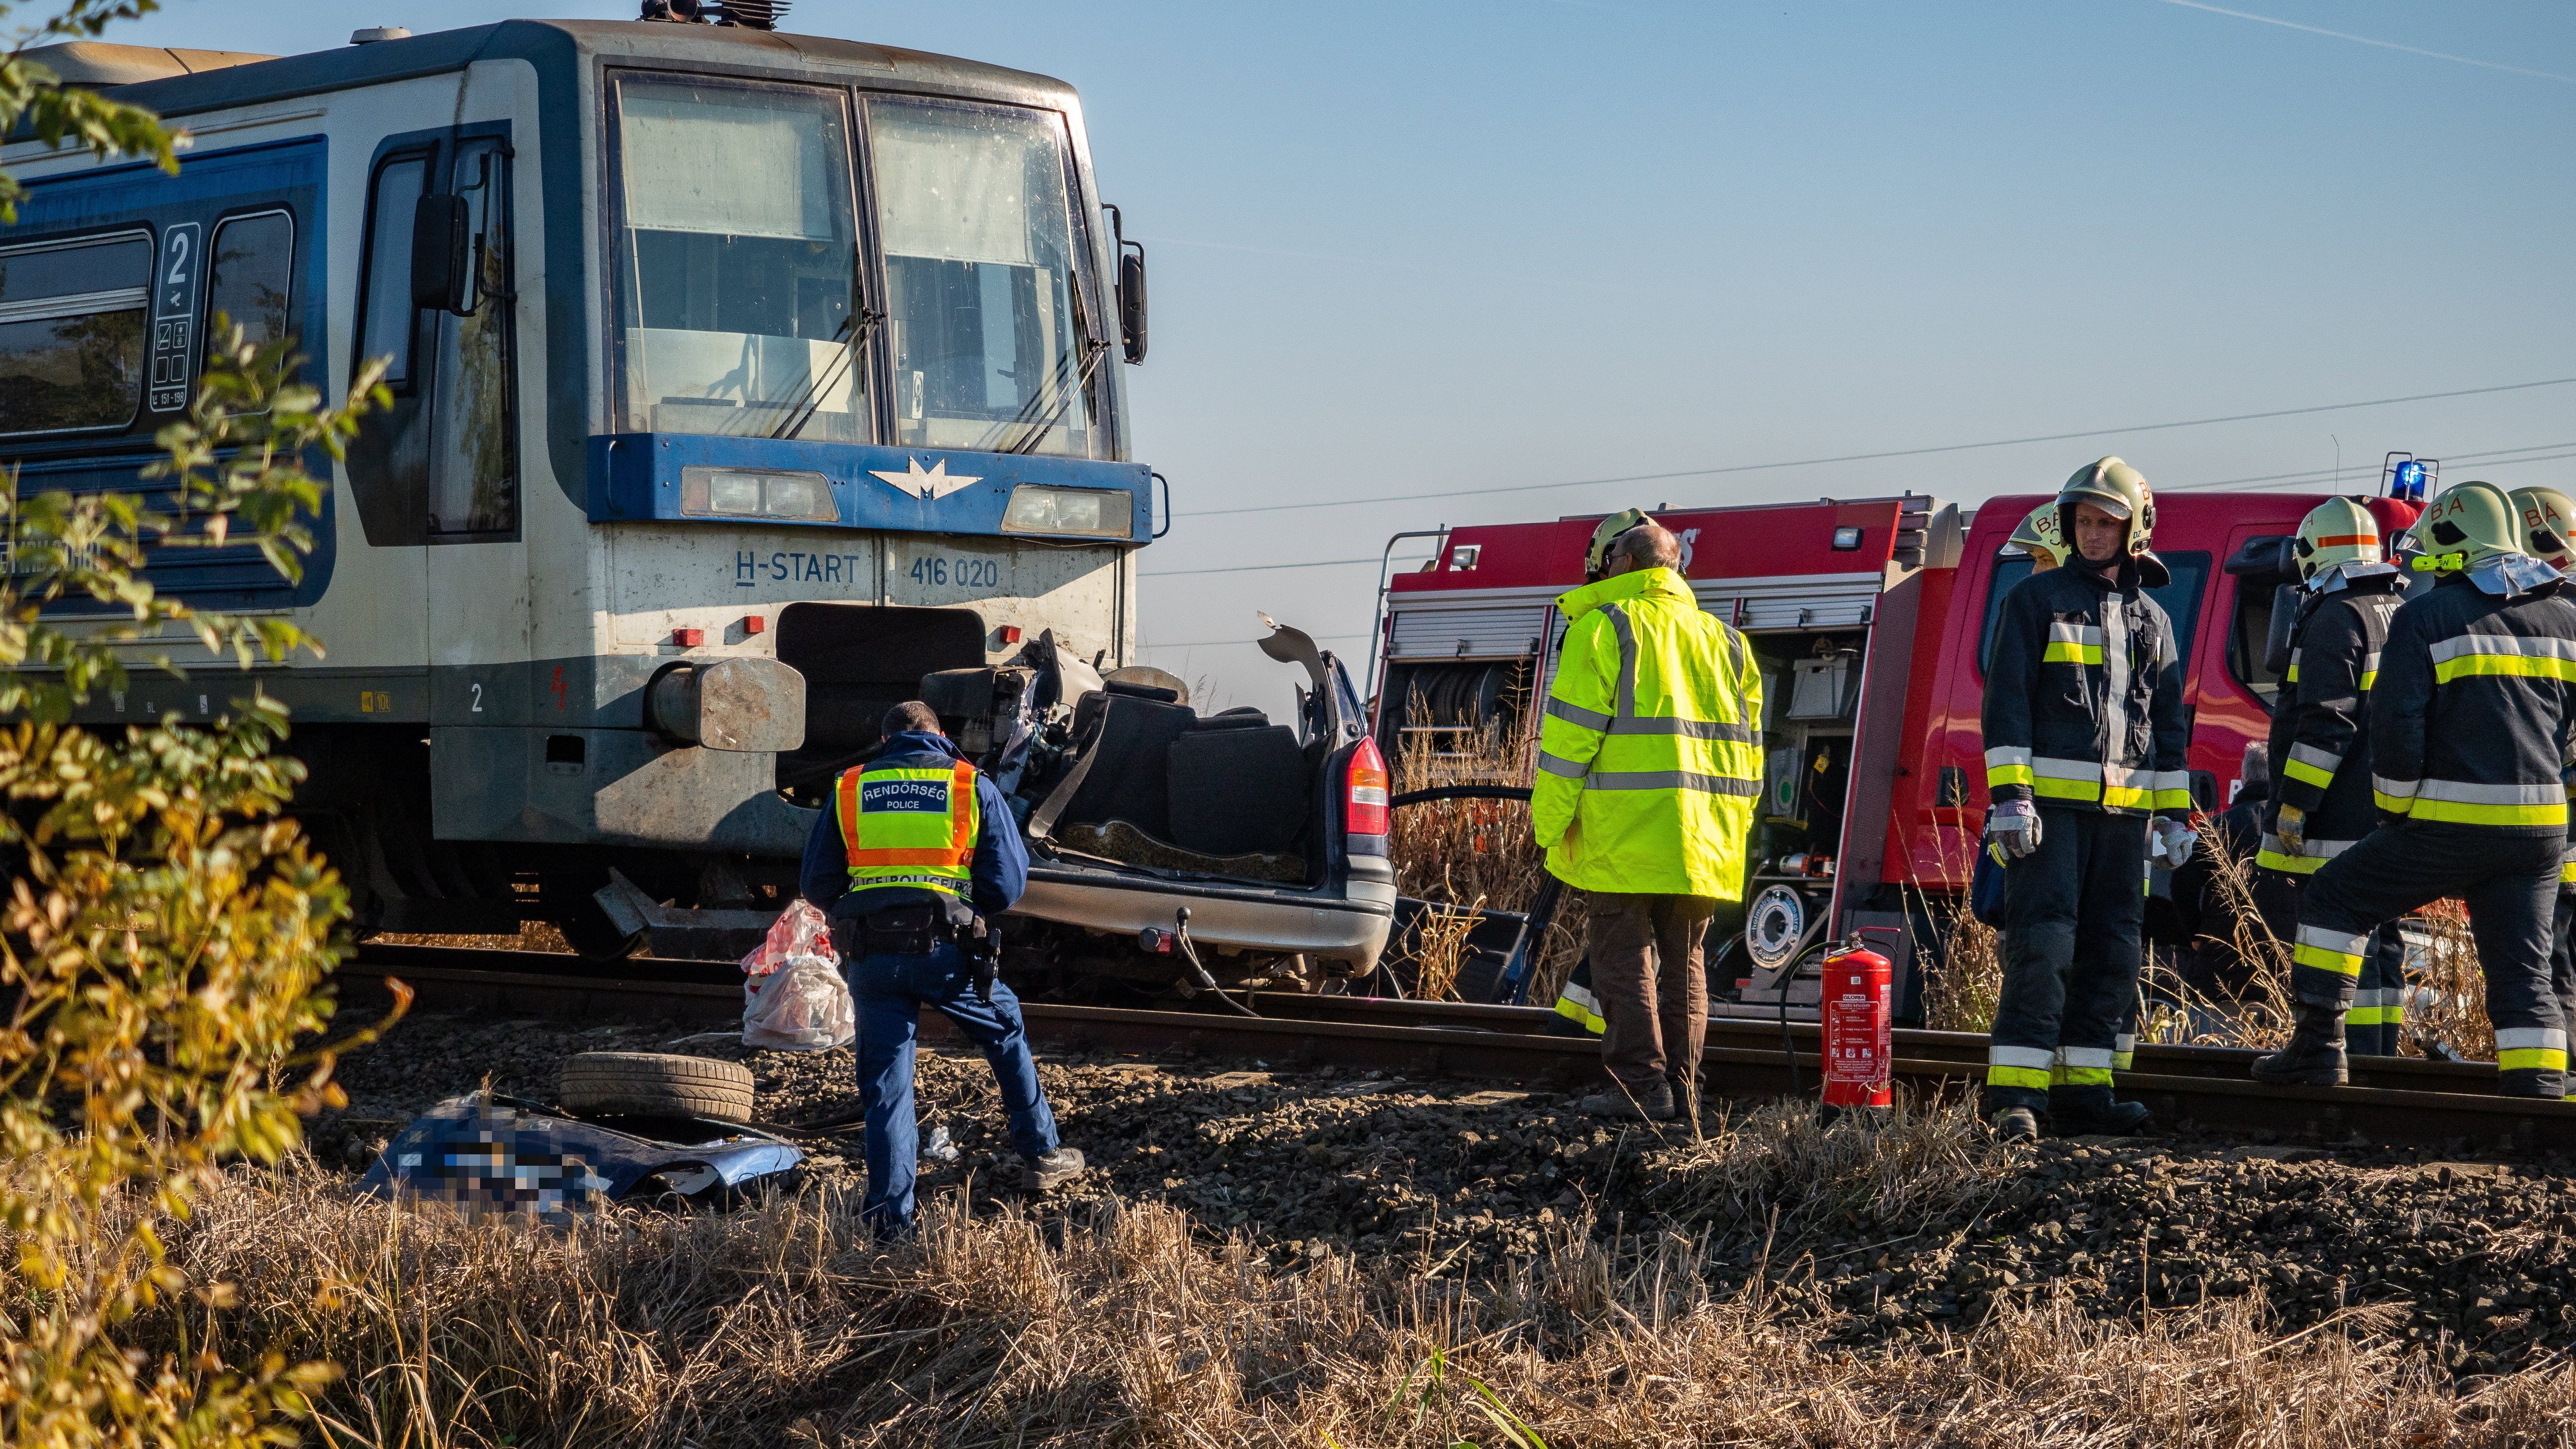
909,827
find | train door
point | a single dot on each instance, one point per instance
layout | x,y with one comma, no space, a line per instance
477,594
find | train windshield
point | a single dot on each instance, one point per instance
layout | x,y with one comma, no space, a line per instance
982,320
740,252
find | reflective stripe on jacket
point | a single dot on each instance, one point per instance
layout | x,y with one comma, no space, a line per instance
2469,719
1650,754
909,826
2083,699
2320,739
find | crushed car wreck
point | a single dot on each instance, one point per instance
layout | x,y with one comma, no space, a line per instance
1175,851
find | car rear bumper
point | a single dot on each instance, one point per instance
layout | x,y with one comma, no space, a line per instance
1350,927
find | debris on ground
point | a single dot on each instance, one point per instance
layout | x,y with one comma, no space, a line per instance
496,1157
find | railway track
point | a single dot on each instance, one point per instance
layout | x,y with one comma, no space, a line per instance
2392,1100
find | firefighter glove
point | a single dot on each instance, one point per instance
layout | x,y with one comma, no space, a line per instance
2013,828
2172,841
2292,827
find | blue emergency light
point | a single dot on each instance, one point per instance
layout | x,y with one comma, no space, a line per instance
2408,484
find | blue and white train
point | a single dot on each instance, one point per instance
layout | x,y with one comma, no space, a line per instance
742,379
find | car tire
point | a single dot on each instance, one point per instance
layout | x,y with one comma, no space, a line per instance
655,1084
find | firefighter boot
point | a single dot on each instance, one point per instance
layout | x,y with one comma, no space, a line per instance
2014,1124
2090,1111
2314,1056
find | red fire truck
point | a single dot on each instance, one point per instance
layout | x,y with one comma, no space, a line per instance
1872,619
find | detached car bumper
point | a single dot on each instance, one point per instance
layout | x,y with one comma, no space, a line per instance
1350,926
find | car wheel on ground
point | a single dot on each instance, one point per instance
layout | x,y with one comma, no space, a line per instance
655,1084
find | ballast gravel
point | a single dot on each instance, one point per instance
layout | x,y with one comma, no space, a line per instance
2474,1261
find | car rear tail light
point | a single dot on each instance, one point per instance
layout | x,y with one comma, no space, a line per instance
1364,811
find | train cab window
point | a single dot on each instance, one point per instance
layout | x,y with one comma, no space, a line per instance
72,331
387,322
2180,598
981,299
736,262
253,274
474,484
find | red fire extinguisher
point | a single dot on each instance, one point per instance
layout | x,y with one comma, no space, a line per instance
1859,1002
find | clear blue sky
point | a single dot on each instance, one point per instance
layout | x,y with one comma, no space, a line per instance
1405,248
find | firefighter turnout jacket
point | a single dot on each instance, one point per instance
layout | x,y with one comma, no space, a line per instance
2320,739
1650,752
2083,704
2469,715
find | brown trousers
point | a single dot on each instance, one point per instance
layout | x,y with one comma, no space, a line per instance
1648,972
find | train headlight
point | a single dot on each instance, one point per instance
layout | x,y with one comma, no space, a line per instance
757,493
1037,508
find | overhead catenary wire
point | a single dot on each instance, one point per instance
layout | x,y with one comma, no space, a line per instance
1721,469
2499,458
1218,643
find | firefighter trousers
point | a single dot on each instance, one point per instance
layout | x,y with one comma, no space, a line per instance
2510,885
2377,1021
2072,910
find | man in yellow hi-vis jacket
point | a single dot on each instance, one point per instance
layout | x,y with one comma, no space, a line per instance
1649,764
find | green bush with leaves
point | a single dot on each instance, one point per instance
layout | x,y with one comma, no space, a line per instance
167,935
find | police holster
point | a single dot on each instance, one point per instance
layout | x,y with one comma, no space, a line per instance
918,930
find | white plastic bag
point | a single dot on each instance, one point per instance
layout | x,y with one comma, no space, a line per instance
802,1006
793,998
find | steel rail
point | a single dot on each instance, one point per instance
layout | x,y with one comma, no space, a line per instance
2403,1100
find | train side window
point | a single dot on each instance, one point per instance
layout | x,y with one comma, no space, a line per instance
252,278
474,482
72,325
387,323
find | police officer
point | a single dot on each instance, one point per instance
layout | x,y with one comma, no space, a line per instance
1649,763
2468,736
2321,739
2084,736
916,856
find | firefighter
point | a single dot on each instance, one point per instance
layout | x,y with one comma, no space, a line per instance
2084,735
2039,537
2321,739
913,861
2546,515
2468,736
1650,759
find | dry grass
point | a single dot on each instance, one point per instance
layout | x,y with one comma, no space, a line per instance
2454,1009
2256,1017
1770,1174
1962,995
785,1324
1476,854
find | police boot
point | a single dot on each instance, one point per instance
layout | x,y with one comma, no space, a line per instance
2314,1056
2090,1111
